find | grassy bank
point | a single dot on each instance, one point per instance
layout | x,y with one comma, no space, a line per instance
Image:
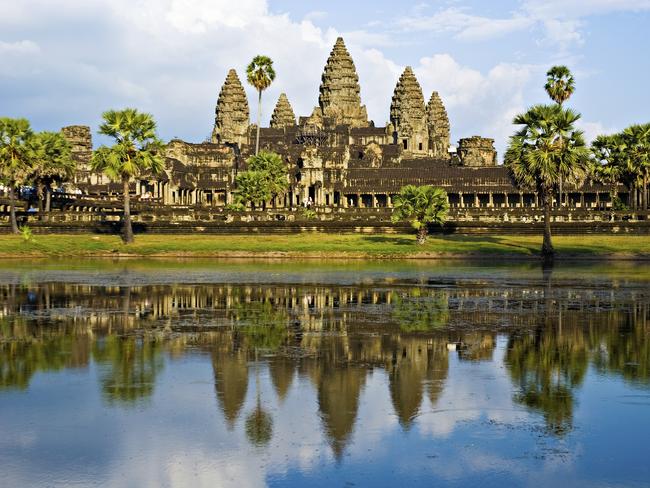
324,245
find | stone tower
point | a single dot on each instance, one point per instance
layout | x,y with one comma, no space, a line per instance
340,97
408,115
477,151
81,144
231,121
283,115
438,126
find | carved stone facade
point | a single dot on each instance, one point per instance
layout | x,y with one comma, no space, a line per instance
408,115
438,127
81,142
283,115
232,114
477,151
339,97
336,159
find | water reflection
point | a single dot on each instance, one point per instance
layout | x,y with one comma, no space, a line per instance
334,337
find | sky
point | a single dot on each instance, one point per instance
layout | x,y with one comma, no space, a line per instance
64,62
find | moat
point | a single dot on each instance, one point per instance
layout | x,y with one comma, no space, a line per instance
290,373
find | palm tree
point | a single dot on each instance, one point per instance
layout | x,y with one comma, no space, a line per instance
637,140
560,85
546,149
137,150
260,74
15,135
610,162
52,162
421,205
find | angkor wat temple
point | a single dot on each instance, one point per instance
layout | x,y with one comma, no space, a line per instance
336,156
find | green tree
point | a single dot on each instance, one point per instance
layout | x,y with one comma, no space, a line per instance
260,75
51,163
15,163
421,205
560,84
546,149
265,178
137,150
610,163
637,141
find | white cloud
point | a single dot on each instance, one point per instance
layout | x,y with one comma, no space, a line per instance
593,129
560,20
19,47
477,103
465,26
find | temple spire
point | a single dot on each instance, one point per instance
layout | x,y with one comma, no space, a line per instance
340,97
408,114
231,114
438,126
283,115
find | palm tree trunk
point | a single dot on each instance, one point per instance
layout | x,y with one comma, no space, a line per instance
547,246
561,203
40,198
48,202
259,118
12,210
422,234
127,231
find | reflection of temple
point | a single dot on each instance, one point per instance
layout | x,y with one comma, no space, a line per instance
341,333
335,157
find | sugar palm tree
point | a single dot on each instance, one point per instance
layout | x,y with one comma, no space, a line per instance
637,141
610,162
137,150
260,75
421,205
15,161
52,162
560,84
546,149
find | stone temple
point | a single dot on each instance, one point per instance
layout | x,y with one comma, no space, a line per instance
336,157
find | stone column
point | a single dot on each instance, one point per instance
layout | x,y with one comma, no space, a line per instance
521,200
359,202
461,203
476,200
582,199
374,201
490,200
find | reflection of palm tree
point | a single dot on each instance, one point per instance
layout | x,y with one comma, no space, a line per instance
626,341
263,325
129,367
546,367
420,310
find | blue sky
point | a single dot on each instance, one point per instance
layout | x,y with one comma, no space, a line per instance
64,62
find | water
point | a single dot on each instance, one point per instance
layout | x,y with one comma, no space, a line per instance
209,373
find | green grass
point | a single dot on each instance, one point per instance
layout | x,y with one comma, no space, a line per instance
321,245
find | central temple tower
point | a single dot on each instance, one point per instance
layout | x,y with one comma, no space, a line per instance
339,97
